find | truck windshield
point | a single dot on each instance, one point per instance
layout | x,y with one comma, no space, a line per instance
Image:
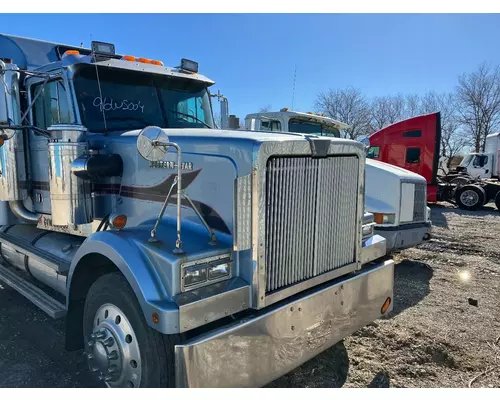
126,100
313,128
466,161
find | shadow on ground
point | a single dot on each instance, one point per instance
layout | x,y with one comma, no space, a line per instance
438,213
328,369
381,380
411,284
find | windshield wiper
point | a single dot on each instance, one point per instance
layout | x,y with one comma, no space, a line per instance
191,116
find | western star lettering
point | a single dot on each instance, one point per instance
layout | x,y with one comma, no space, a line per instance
170,165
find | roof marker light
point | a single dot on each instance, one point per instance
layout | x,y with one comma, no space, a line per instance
156,62
129,58
71,53
144,60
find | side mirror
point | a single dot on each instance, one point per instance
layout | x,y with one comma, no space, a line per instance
152,143
366,142
9,98
4,111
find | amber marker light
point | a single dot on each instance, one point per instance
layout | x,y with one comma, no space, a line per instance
386,305
118,221
156,318
71,53
129,58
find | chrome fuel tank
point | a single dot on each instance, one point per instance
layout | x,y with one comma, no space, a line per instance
45,255
70,196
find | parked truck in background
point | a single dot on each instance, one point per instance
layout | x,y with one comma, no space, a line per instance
415,144
179,254
396,197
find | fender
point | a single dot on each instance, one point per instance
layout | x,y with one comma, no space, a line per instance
151,269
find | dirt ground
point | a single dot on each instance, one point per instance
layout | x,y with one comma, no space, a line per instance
433,338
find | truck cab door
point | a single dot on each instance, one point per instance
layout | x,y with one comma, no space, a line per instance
481,166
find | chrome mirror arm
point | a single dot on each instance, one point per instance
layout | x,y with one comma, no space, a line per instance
211,234
177,182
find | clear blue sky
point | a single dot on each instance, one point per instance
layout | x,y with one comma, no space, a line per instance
252,56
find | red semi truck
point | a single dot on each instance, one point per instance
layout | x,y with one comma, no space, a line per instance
414,144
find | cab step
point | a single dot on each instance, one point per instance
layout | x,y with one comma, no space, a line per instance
37,296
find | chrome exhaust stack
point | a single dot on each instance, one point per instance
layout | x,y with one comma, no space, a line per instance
12,158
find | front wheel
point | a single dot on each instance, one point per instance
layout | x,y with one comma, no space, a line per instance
470,197
121,349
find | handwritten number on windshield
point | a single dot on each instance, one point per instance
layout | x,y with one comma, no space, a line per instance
112,105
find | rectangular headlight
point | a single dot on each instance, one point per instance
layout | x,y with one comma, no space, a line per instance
195,276
219,271
205,271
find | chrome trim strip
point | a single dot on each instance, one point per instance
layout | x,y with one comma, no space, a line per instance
299,287
243,213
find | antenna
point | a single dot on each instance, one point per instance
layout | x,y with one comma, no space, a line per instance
99,86
293,92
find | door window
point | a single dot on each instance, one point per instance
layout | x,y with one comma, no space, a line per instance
373,152
480,161
271,125
413,155
51,106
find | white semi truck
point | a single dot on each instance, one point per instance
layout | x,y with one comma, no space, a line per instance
395,196
477,177
483,165
179,254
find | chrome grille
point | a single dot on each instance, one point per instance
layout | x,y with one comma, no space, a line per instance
419,202
311,213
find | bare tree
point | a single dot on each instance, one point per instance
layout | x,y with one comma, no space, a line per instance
266,108
478,98
412,106
349,106
386,110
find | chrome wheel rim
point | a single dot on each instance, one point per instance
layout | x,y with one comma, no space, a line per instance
469,198
113,353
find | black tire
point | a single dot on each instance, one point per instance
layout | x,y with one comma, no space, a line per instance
470,197
497,201
156,350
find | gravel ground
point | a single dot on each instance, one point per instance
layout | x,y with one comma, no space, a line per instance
433,338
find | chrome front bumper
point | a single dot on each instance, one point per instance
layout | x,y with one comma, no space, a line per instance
405,236
257,350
